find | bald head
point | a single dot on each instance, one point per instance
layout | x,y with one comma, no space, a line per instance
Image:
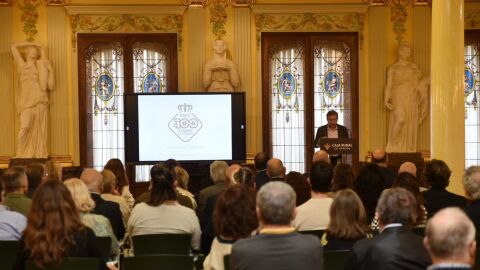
408,167
93,179
450,237
231,170
379,156
275,168
321,155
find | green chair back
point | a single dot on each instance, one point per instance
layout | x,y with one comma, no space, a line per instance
158,262
71,263
105,244
335,260
8,254
151,244
226,262
317,233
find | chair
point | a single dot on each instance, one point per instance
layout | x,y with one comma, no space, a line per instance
150,244
105,244
335,260
8,254
158,262
70,263
317,233
226,262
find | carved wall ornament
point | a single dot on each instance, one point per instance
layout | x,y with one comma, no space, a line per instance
29,18
242,3
6,2
126,23
201,3
422,2
218,18
377,2
309,22
56,2
472,19
398,16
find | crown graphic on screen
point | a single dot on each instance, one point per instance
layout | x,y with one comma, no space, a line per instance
184,108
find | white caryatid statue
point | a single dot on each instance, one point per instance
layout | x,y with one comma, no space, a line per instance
220,73
406,96
35,77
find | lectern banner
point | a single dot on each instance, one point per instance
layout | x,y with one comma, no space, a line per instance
339,146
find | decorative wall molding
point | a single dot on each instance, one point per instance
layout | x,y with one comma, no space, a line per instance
377,2
195,3
398,17
6,2
218,18
56,2
122,23
29,18
242,3
472,19
309,22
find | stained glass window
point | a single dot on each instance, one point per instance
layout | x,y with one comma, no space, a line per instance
287,68
332,83
472,124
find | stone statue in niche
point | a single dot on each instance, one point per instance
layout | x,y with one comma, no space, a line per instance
406,96
35,77
220,73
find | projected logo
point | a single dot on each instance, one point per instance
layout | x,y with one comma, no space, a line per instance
185,124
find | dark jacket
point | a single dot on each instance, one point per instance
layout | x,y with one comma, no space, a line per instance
394,249
208,192
277,251
473,212
261,179
110,210
439,198
322,132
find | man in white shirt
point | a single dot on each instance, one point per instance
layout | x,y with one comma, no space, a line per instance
314,214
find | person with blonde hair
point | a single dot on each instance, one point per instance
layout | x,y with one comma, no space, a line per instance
183,178
110,193
53,171
99,224
348,221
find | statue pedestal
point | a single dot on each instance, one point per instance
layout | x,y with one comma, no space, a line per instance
26,161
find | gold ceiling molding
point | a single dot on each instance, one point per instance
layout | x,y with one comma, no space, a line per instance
242,3
472,19
126,23
195,3
377,2
56,2
309,22
6,2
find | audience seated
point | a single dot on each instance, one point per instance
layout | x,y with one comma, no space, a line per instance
348,221
183,178
260,163
395,247
15,186
116,166
110,193
408,167
321,155
245,176
437,175
55,230
217,173
230,172
409,182
99,224
314,213
275,170
471,182
379,158
369,186
234,218
35,173
110,210
277,246
450,240
343,177
301,187
53,171
12,223
162,214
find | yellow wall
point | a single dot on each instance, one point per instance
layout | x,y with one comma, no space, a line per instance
378,51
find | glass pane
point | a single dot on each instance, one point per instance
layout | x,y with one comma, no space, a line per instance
287,101
472,125
150,61
332,83
104,80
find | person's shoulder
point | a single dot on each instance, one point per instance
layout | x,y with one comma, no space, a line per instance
306,239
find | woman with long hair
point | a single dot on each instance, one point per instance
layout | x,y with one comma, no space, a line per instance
369,186
162,213
343,177
348,221
99,224
234,218
116,166
55,230
302,188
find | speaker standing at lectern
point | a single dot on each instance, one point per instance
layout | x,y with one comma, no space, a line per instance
331,130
